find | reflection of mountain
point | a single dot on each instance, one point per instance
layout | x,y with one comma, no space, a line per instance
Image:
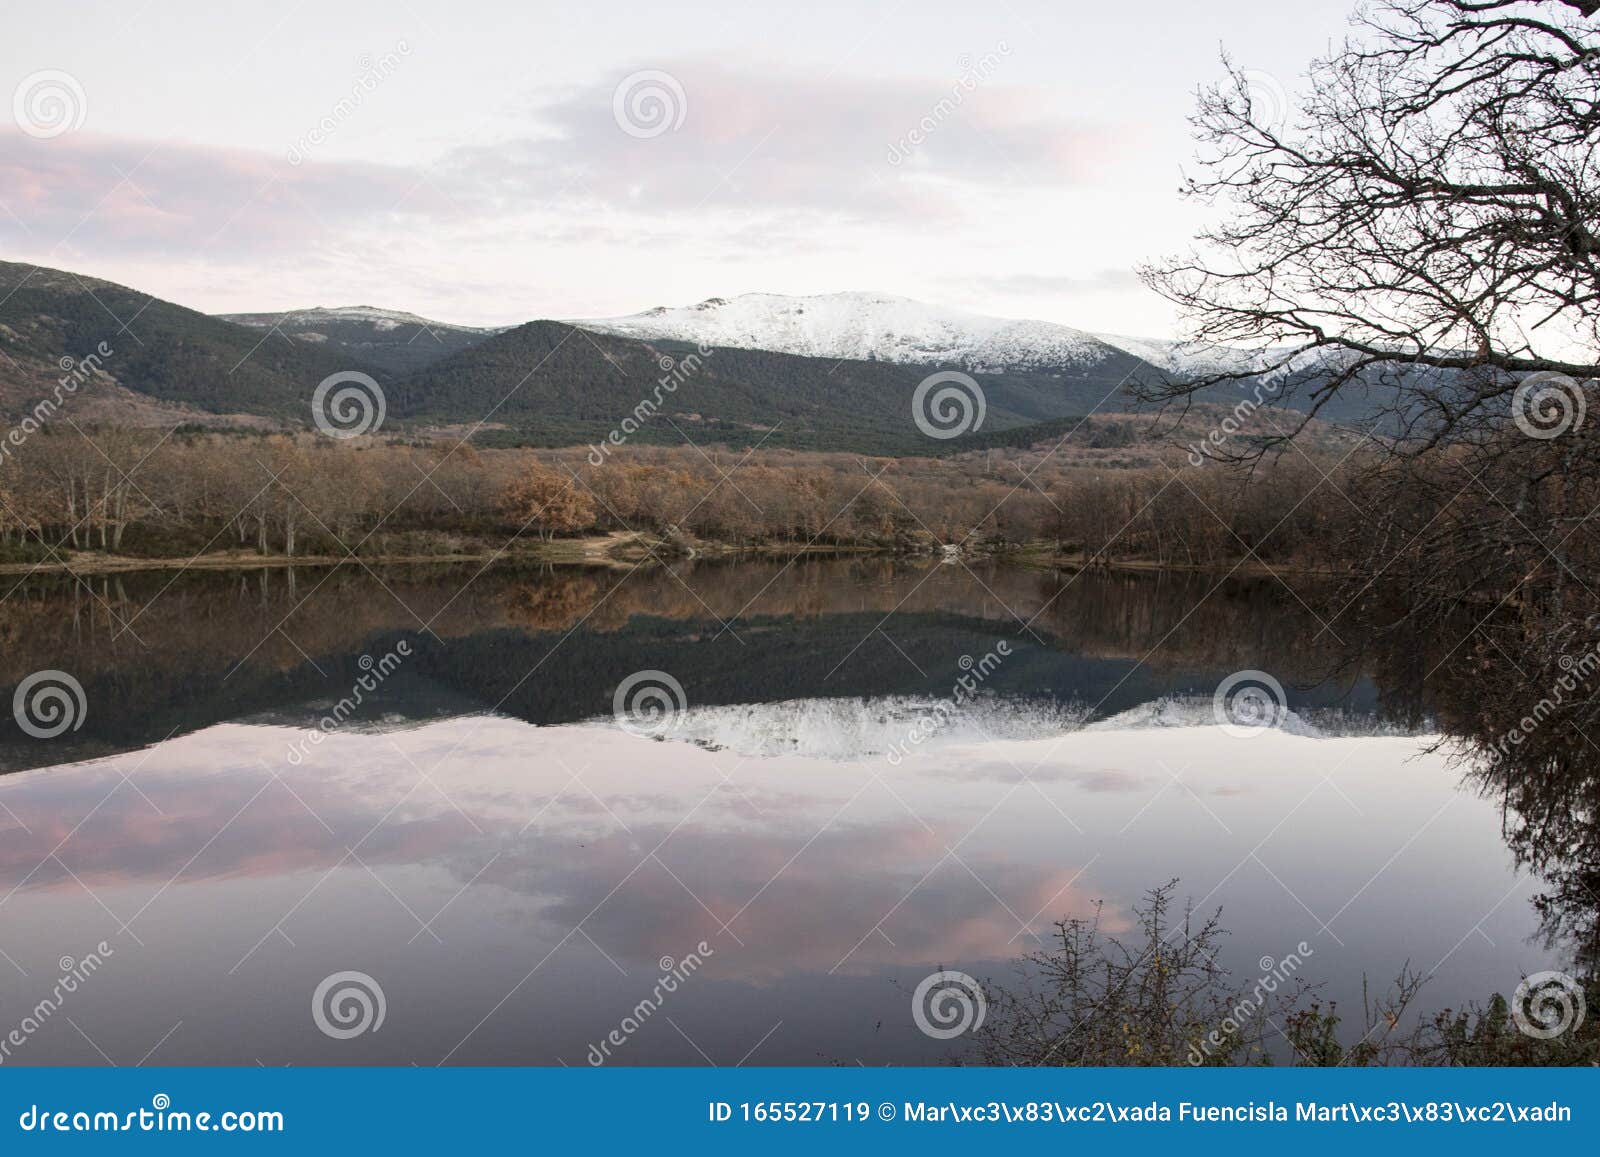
772,661
552,647
562,863
1312,720
859,728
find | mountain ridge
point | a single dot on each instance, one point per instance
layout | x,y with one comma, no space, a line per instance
864,326
846,375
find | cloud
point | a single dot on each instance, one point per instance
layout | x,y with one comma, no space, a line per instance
87,193
750,150
1042,284
859,148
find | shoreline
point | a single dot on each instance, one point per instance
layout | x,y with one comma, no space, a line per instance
621,550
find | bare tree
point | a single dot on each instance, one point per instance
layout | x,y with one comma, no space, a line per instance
1432,204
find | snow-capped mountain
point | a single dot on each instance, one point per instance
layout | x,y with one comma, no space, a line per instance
320,317
1184,359
390,338
866,327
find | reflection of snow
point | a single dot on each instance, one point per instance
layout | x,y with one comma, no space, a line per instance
861,728
1311,723
1191,713
847,729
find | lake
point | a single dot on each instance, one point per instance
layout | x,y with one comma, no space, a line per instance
765,799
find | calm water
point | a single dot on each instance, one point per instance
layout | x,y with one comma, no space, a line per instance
515,870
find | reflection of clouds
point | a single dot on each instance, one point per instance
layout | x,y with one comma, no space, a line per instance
867,889
1102,779
810,911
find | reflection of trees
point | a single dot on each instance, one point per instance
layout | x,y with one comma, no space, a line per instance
275,618
1516,699
160,653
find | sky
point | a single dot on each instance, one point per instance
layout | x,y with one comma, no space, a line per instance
488,163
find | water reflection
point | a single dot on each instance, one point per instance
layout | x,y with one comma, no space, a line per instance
515,876
159,656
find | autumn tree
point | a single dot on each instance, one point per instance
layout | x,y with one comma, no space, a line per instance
548,502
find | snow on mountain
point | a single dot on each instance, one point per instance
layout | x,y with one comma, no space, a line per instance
866,327
1183,359
378,319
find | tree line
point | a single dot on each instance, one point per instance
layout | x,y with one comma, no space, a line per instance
144,494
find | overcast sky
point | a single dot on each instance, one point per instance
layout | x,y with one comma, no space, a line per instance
476,162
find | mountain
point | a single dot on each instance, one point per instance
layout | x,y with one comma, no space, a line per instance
885,327
839,372
554,383
165,362
1187,360
397,341
868,327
